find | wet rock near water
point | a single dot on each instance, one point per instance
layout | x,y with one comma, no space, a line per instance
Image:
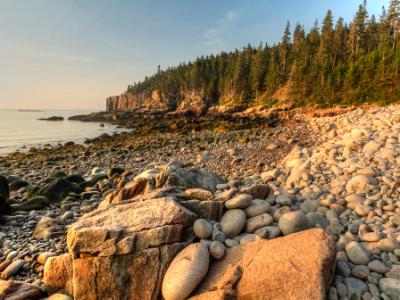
54,118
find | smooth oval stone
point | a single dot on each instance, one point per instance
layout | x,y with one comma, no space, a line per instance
256,208
292,222
185,272
342,268
257,222
218,235
233,222
280,211
316,220
239,201
217,250
390,286
262,232
12,255
283,200
202,228
205,242
355,287
371,237
378,267
362,210
388,245
309,206
357,253
12,269
273,231
360,271
231,243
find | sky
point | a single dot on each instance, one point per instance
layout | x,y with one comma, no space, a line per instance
70,54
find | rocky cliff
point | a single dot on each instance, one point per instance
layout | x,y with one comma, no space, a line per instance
192,101
139,102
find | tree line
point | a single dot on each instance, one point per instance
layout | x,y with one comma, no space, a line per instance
333,63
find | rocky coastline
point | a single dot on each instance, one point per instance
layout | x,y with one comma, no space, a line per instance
266,204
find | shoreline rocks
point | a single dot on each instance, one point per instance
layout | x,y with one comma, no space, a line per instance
54,118
346,186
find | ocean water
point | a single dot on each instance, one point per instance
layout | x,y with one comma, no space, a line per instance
20,130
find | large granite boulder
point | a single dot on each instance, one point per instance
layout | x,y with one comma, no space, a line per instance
298,266
17,290
121,251
171,175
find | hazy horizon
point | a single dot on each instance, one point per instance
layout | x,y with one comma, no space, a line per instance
74,54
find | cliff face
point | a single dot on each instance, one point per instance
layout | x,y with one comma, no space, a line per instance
192,102
138,102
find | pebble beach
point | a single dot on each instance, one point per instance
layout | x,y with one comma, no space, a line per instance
340,173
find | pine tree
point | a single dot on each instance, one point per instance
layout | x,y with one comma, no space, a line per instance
284,47
339,42
326,43
257,71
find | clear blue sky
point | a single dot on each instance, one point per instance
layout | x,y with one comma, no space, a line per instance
73,54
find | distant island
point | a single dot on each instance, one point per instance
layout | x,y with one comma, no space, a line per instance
29,110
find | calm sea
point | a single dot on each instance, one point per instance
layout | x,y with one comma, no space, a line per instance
20,130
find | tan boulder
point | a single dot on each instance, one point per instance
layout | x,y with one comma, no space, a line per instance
135,276
17,290
122,251
298,266
129,227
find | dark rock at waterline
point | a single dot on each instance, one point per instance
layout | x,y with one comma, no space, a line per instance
16,185
4,188
54,118
35,203
4,195
58,190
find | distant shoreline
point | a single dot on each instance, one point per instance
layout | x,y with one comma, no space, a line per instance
30,110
